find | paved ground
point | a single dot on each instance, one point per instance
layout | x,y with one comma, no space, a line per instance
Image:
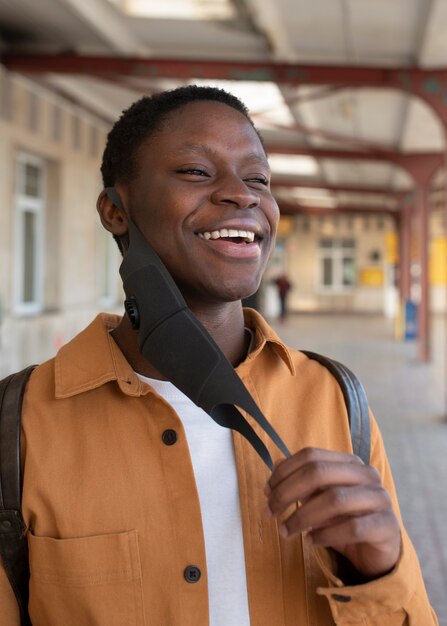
409,400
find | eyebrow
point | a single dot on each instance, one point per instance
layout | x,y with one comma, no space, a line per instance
201,148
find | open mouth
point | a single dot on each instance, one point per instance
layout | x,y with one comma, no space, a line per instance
231,235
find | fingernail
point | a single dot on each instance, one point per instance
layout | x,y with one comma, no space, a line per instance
267,489
268,511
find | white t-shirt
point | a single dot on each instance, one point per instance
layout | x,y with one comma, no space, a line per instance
212,454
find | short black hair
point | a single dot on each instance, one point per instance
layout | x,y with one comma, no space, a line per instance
146,116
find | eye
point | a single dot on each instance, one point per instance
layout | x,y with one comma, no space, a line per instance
192,171
262,180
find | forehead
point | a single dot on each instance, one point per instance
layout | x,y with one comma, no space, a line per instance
206,126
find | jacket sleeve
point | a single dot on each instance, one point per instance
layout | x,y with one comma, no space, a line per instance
397,599
9,609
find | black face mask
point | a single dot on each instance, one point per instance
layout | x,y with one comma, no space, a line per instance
172,339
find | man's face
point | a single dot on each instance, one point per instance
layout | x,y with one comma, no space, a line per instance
202,199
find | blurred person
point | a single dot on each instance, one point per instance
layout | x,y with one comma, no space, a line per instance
283,286
139,508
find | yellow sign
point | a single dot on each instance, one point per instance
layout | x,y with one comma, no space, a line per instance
438,261
371,277
286,226
391,248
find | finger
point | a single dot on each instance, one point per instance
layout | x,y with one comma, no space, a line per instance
316,477
308,455
374,529
372,543
331,507
267,488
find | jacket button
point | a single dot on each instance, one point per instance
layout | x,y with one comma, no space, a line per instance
192,574
341,598
169,437
6,524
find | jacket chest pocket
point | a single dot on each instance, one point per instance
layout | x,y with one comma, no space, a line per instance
87,581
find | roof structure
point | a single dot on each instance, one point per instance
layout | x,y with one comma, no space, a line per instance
345,74
350,95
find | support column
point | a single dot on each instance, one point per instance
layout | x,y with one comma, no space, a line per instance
405,253
424,305
421,169
445,312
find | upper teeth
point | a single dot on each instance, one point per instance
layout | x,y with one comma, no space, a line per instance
248,235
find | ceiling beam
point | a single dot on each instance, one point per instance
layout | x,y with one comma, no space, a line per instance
428,84
108,22
294,182
404,78
425,11
296,208
417,164
335,153
426,17
269,22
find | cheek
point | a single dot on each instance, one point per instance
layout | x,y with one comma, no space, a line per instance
180,258
160,232
270,245
274,219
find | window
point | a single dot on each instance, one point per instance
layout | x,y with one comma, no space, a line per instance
336,264
29,234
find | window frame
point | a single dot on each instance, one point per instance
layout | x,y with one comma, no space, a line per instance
36,206
336,253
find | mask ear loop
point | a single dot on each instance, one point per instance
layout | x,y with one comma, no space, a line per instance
173,340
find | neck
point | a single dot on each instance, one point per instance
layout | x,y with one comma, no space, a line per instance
225,324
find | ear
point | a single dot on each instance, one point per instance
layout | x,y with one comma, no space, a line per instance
113,220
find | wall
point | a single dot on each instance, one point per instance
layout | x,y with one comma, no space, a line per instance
372,270
37,122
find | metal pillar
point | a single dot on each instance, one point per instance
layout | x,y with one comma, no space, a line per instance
445,323
422,171
424,305
405,253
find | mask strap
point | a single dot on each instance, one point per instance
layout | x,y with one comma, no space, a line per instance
173,340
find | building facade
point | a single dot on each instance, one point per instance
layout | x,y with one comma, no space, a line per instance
58,266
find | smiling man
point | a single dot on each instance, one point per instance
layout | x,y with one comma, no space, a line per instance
140,508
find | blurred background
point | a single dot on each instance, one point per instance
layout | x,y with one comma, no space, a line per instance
351,99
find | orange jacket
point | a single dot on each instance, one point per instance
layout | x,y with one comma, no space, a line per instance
114,516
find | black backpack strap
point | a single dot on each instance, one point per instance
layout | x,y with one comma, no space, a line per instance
13,541
356,404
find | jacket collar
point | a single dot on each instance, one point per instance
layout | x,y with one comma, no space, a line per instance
93,358
264,334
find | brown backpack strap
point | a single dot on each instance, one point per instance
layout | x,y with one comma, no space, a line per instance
13,542
356,404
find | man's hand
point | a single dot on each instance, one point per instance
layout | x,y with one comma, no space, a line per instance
341,504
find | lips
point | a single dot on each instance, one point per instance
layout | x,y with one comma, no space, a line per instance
232,243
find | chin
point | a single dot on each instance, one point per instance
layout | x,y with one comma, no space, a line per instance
231,293
218,289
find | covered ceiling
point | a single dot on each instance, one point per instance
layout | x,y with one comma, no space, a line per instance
335,86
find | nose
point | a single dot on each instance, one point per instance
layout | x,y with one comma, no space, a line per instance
232,190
